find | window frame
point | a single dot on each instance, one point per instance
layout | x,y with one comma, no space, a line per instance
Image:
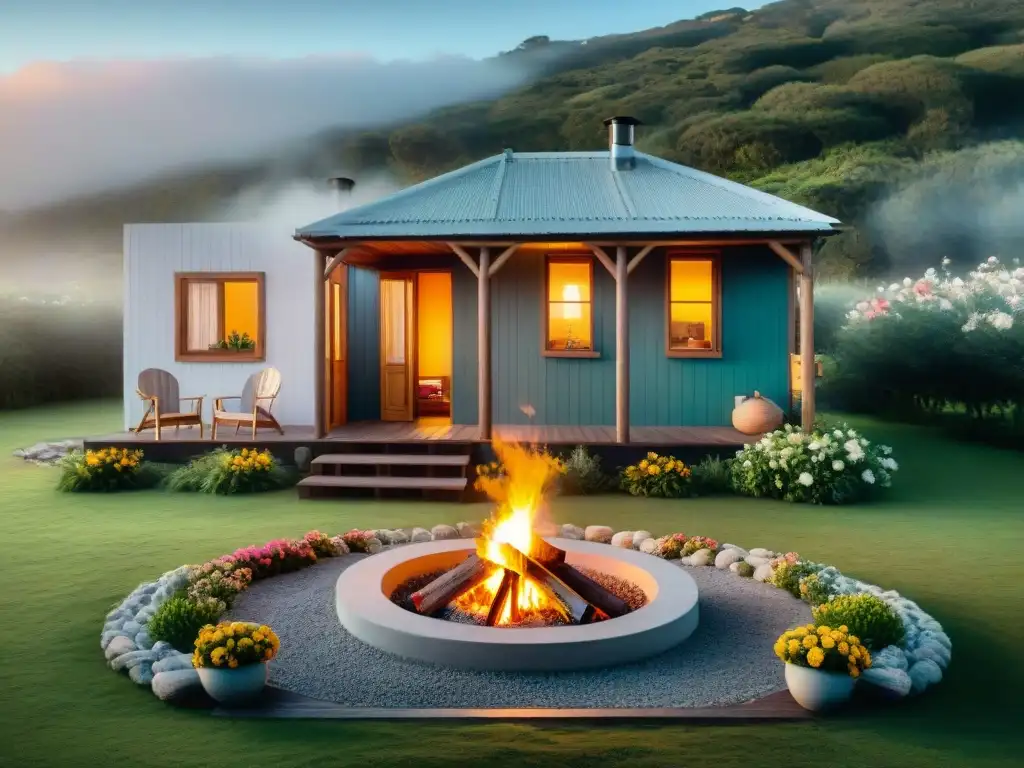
715,257
182,353
567,258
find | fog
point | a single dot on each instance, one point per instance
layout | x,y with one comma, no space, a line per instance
71,128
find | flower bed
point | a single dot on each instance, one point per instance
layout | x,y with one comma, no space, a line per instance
912,655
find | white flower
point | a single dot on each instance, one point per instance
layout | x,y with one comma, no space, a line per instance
945,305
773,464
747,465
815,445
907,282
739,454
805,479
851,433
839,433
854,452
796,438
885,449
993,260
786,452
837,465
946,261
894,287
890,464
1000,320
868,476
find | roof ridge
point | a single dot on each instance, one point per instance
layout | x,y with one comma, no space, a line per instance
498,183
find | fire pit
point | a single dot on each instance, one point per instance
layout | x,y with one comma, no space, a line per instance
514,600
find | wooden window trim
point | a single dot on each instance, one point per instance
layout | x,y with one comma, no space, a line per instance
715,257
181,352
568,258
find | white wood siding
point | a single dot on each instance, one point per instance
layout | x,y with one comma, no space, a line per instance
153,253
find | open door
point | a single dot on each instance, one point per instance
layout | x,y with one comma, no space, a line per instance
337,346
397,333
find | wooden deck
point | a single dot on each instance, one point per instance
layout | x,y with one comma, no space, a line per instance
431,429
277,703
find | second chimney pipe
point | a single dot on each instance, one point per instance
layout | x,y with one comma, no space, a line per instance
621,133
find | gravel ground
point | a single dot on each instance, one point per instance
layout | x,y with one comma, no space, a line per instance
727,660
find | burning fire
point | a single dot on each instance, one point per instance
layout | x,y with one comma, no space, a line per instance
519,496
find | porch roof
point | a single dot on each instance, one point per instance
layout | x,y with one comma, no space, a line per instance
541,194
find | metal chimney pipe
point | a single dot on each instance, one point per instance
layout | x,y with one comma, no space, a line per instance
342,186
621,134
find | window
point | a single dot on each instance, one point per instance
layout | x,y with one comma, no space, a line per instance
220,316
568,318
694,306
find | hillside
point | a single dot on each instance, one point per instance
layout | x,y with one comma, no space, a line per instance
901,117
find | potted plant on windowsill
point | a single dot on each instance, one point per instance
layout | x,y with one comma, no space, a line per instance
231,659
236,342
822,664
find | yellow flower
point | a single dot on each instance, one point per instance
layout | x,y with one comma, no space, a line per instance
652,456
823,630
257,636
653,469
844,648
854,640
269,654
854,672
844,629
794,647
811,641
244,644
218,637
230,644
643,464
232,662
815,657
851,658
827,642
669,466
780,648
92,461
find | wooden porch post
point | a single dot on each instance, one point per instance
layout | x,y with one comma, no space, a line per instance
621,345
484,344
808,369
319,344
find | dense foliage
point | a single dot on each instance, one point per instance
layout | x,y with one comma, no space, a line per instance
108,469
660,476
179,620
867,616
583,474
227,471
834,465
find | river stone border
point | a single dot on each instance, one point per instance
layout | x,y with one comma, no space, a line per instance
897,671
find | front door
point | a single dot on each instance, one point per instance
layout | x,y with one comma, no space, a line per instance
397,333
337,340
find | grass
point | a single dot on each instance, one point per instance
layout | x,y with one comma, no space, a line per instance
949,536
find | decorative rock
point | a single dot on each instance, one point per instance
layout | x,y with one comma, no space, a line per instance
702,557
141,674
132,628
648,546
756,561
639,537
468,530
623,539
144,641
128,660
420,535
373,545
570,531
443,532
162,649
303,457
172,663
741,550
119,646
727,558
890,657
924,673
602,534
762,572
892,681
399,537
108,636
735,567
932,651
179,687
761,552
939,637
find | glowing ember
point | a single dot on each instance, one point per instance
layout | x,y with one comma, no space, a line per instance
519,495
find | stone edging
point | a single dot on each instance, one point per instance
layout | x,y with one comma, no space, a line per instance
897,670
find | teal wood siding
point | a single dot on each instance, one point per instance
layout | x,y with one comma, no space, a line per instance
363,344
464,368
755,344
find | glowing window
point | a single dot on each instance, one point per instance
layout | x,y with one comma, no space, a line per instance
693,306
220,316
569,319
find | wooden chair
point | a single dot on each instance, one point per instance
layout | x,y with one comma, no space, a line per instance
257,400
160,389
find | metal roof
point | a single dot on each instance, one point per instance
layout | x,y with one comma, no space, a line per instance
570,193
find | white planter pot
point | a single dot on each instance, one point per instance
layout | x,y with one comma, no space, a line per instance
816,690
234,686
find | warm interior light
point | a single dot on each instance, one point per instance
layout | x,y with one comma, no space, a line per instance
571,310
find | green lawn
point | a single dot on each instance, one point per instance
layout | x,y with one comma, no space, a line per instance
949,536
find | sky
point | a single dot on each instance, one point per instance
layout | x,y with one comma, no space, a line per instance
97,94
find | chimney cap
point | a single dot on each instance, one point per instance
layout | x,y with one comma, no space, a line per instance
623,120
343,183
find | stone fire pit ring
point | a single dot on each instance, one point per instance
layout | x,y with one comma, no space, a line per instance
362,599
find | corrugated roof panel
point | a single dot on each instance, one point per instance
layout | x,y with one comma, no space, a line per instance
558,189
570,193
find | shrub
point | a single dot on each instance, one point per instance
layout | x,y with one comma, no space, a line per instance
234,644
108,469
225,471
825,466
221,579
866,615
583,474
326,546
670,547
816,590
695,543
361,541
745,569
662,476
179,620
789,572
274,557
825,648
711,475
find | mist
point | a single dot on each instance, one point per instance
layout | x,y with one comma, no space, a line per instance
72,128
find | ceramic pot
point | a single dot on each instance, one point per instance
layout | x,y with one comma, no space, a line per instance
816,690
756,415
234,686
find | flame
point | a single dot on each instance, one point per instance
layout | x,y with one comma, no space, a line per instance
519,496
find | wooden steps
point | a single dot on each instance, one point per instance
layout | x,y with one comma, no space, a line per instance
410,471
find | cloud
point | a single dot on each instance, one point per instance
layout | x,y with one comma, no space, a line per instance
72,128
